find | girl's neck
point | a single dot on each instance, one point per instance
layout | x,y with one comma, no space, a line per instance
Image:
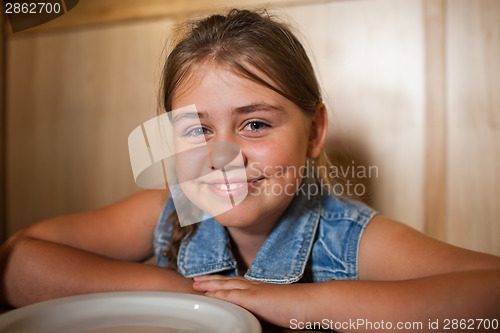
245,249
247,241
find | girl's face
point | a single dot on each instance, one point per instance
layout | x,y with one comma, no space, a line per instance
271,131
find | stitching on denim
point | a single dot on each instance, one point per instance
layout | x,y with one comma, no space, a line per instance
335,258
299,259
312,227
203,270
355,239
263,278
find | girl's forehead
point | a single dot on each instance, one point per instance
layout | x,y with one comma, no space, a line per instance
217,83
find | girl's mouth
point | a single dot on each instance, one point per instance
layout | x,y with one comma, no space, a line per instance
229,187
232,187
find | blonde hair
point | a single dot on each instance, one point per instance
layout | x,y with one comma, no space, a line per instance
245,43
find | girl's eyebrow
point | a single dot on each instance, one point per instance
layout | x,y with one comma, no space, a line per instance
239,110
188,115
257,107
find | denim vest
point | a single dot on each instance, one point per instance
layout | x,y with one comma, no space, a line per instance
317,239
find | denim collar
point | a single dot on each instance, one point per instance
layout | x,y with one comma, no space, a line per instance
281,259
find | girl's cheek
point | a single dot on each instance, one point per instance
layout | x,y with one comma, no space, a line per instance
275,154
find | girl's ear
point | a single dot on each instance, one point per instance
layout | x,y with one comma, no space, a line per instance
317,135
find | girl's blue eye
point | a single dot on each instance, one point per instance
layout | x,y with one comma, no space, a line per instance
197,131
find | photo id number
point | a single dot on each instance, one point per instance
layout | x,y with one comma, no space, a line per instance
32,8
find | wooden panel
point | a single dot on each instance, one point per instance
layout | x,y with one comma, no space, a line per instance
473,81
73,100
3,113
369,57
435,119
92,12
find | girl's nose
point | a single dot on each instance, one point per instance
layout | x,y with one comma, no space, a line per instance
222,154
200,161
226,148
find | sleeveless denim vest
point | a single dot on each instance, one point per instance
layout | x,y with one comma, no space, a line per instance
317,239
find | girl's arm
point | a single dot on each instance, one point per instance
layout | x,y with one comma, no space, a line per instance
390,250
406,277
88,252
458,302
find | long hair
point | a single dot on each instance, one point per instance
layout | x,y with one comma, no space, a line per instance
245,43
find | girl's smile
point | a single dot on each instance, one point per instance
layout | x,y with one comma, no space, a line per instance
232,187
270,130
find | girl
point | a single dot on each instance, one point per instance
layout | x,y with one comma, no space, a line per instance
253,86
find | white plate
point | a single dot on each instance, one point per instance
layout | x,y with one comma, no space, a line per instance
127,312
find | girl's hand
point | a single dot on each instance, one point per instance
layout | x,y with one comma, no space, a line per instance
274,303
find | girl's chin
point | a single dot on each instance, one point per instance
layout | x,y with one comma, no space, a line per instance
234,218
250,214
240,217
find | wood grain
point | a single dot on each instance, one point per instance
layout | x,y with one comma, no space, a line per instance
435,217
3,133
473,159
96,12
73,100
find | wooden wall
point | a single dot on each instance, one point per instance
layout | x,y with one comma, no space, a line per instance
73,98
473,124
3,133
410,86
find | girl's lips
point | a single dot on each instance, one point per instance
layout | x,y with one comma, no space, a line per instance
229,187
234,188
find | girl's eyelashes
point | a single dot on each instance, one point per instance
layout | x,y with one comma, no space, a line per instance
253,127
196,131
249,128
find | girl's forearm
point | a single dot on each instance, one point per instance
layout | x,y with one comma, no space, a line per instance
35,270
460,300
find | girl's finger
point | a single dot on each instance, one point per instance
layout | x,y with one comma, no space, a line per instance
233,296
219,284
